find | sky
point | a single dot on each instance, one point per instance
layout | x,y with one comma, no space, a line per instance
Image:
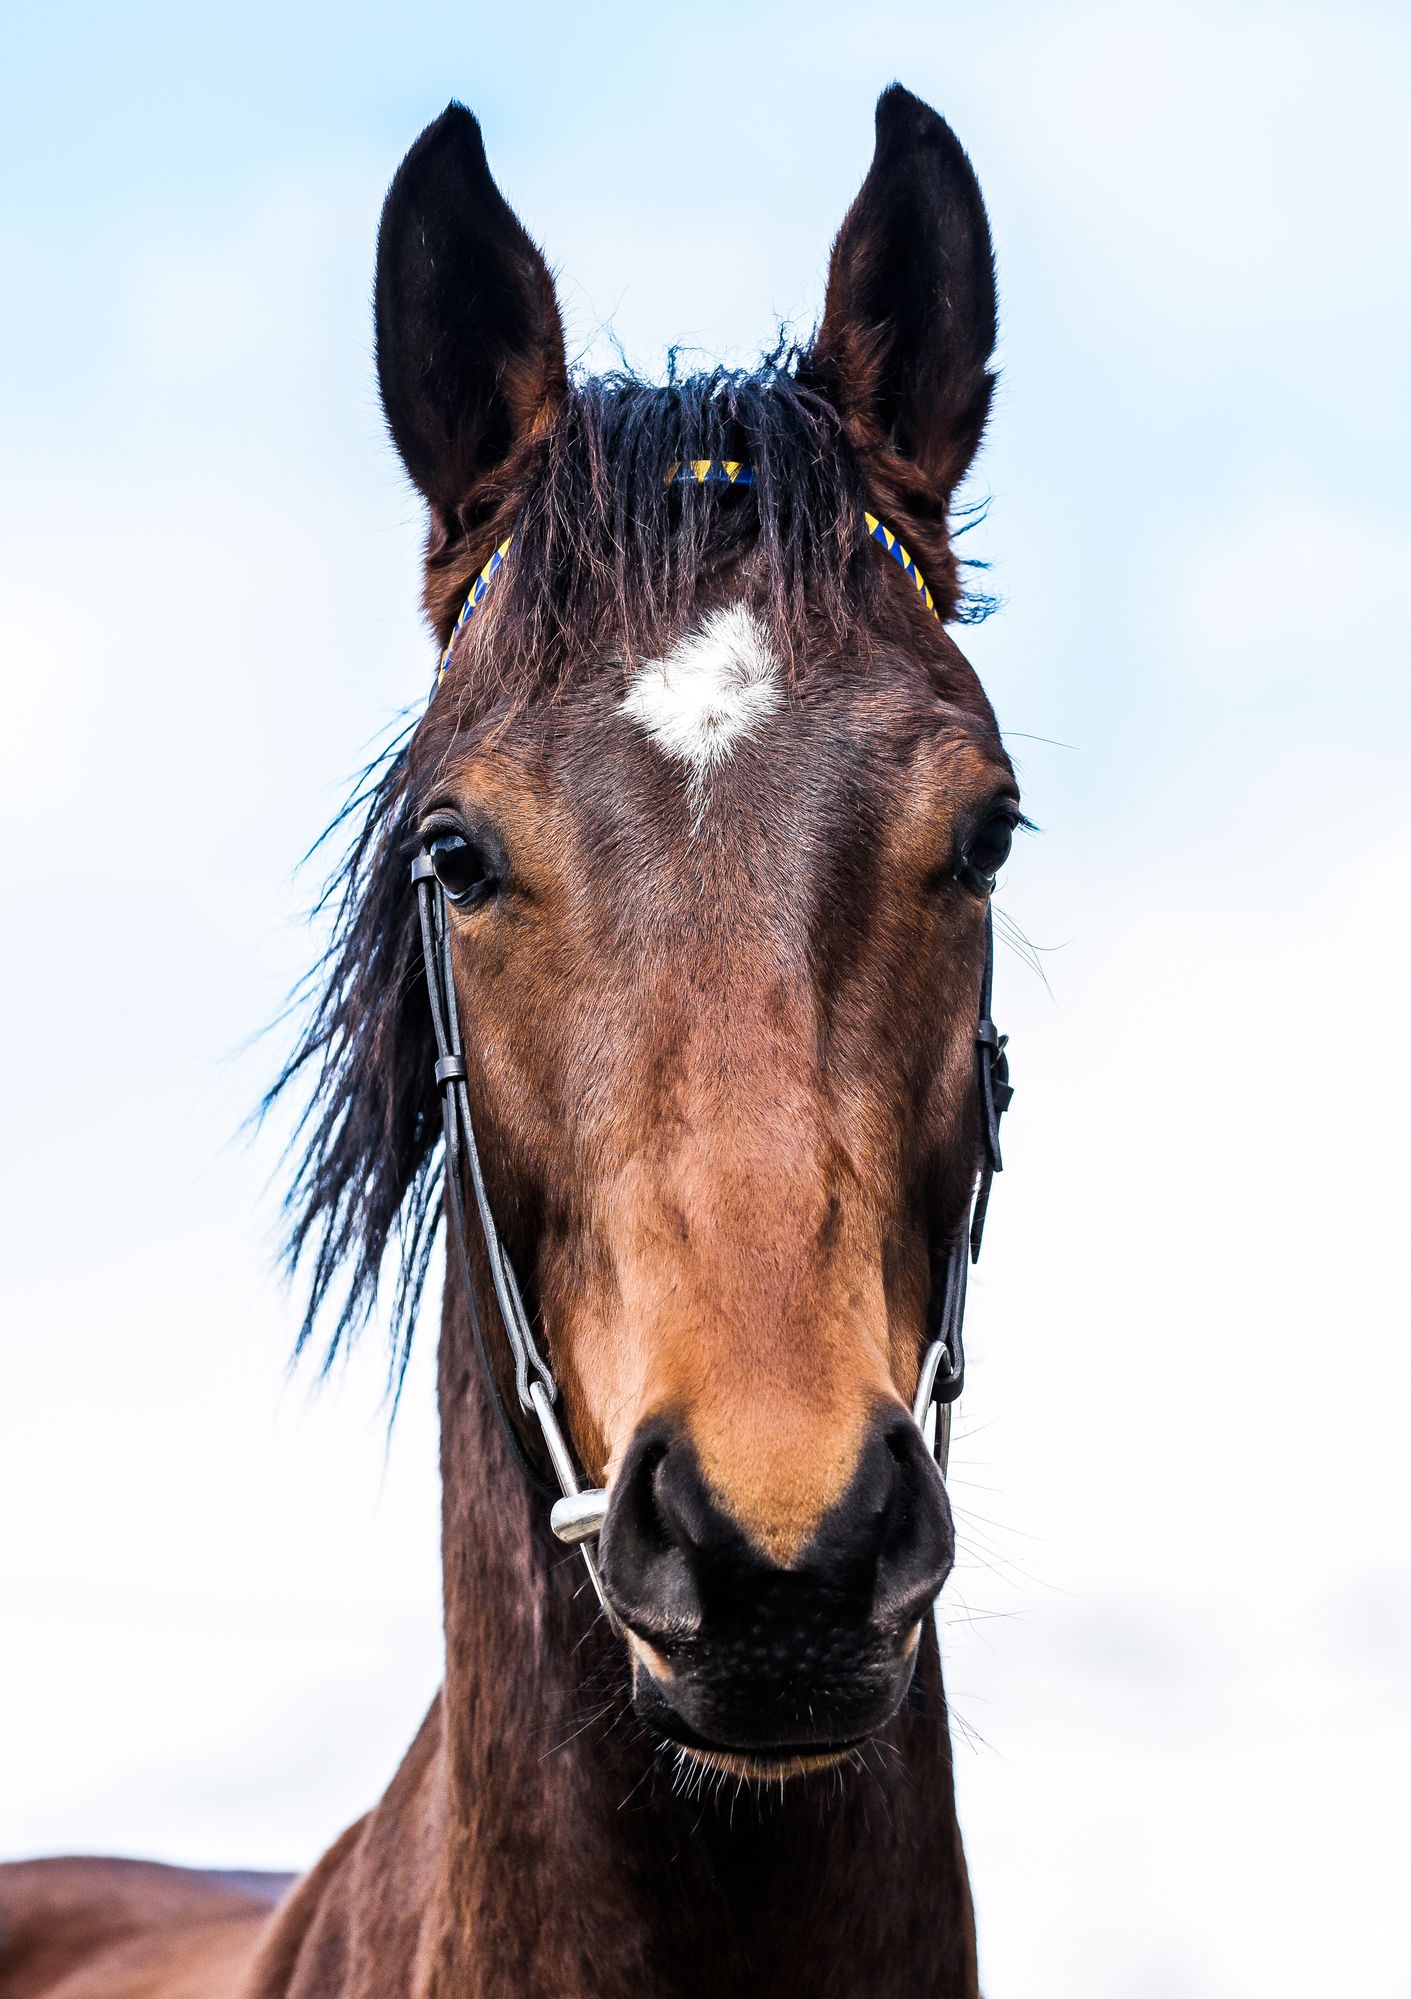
1179,1639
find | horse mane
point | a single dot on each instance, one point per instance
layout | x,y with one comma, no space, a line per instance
609,561
610,554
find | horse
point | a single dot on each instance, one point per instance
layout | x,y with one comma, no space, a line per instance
660,974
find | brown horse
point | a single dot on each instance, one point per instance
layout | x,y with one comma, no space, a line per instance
709,807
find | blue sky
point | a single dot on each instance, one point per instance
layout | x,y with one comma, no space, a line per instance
1182,1634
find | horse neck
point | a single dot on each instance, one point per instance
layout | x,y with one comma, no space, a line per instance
572,1862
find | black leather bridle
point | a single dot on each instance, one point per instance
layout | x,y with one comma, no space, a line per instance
578,1512
942,1374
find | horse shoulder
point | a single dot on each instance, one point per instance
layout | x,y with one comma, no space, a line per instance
127,1929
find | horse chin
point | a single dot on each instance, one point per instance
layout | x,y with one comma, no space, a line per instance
762,1770
765,1763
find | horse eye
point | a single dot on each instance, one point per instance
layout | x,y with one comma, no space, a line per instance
462,869
988,851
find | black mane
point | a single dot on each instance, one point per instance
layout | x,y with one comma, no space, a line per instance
608,557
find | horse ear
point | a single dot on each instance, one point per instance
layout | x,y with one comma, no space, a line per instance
470,350
909,318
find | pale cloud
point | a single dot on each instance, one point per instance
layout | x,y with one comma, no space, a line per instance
1299,590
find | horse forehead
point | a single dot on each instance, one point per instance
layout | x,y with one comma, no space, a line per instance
696,759
720,683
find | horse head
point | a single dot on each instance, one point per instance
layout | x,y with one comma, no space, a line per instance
716,805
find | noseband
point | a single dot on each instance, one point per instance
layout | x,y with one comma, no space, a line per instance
578,1512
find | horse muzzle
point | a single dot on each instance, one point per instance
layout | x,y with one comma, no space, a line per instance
756,1663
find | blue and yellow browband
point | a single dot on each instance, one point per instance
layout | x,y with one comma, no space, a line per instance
689,472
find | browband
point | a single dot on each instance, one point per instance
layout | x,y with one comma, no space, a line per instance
686,472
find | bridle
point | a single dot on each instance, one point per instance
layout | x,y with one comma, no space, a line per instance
578,1511
577,1514
942,1373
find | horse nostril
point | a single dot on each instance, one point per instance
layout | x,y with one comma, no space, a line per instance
671,1526
916,1551
643,1493
646,1546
